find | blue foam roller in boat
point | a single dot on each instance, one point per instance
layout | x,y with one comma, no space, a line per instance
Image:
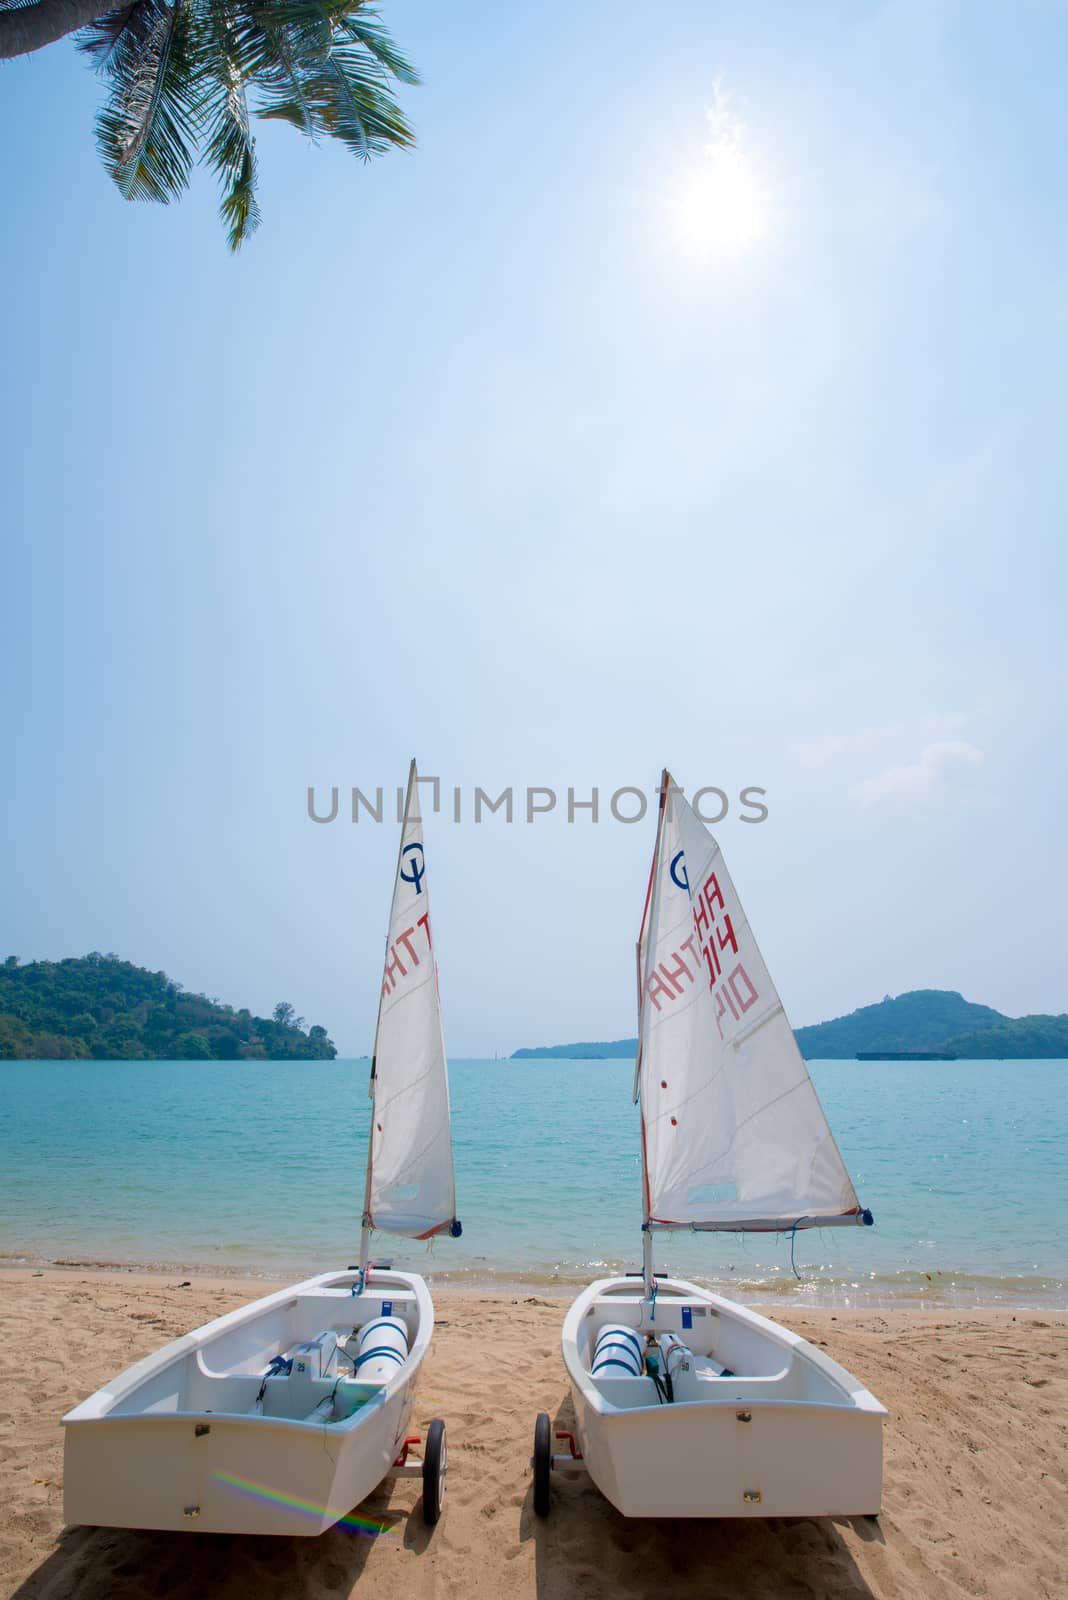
383,1349
618,1353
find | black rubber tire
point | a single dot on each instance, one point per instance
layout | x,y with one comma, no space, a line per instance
435,1466
543,1463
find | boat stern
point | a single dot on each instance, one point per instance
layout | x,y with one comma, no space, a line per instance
743,1419
749,1459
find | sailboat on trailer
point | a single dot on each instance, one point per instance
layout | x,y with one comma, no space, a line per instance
686,1404
282,1416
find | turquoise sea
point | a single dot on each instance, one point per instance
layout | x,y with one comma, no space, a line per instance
258,1167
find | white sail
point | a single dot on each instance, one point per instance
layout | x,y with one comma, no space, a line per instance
410,1188
734,1136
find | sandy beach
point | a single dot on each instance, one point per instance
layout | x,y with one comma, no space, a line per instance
975,1478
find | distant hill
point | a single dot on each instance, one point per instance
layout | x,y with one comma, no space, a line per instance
922,1019
936,1019
614,1050
98,1006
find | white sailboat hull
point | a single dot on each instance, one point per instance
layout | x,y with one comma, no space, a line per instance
180,1442
788,1433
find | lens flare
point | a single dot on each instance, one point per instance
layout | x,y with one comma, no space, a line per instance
264,1493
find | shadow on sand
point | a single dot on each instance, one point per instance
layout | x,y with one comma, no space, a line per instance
121,1564
585,1548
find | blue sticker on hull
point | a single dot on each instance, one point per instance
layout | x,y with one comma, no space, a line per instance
687,1317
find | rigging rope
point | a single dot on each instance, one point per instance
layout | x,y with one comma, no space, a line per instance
793,1241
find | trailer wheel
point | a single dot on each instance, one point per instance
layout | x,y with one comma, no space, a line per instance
435,1466
543,1463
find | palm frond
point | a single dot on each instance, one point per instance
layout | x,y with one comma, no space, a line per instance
101,38
222,117
181,74
308,24
273,43
361,83
357,110
147,130
230,150
365,29
282,82
238,207
348,100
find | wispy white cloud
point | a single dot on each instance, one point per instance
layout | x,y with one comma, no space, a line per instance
916,782
867,745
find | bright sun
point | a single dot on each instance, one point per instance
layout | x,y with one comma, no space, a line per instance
718,207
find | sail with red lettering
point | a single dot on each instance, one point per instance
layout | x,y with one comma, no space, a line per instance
410,1186
733,1133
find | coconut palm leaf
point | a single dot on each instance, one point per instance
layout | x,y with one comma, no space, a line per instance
238,207
286,74
364,29
147,130
275,58
357,109
183,76
347,98
229,149
100,39
222,116
274,42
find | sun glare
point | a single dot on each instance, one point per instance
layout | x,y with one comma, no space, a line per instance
718,207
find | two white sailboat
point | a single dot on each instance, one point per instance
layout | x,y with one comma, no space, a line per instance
281,1417
688,1405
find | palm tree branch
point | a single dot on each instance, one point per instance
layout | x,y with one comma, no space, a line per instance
181,75
230,150
288,75
365,116
148,124
364,29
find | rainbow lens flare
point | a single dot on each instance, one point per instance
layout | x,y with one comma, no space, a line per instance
263,1492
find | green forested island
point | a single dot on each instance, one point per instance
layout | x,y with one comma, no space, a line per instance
921,1020
100,1007
936,1019
612,1050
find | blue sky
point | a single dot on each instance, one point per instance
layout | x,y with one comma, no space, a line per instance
500,454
